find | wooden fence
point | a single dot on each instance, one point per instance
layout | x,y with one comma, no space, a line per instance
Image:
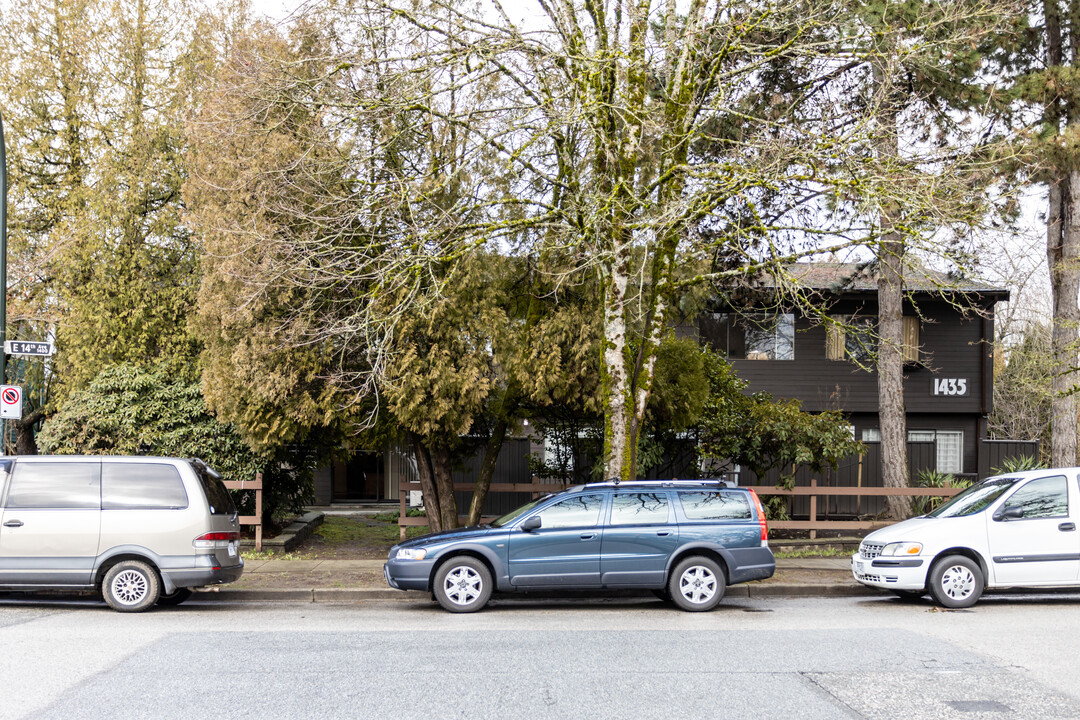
256,519
812,492
535,490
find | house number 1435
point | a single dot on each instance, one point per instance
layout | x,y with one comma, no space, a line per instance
950,386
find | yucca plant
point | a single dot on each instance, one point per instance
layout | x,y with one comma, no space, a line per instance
1017,464
929,478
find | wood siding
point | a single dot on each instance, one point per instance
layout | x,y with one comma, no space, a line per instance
952,346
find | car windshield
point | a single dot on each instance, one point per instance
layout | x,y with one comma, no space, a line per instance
975,498
514,514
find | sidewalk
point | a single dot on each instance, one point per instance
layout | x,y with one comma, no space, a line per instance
354,580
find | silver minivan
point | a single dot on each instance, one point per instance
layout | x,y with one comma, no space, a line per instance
142,530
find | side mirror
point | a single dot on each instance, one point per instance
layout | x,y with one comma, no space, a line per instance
531,524
1013,513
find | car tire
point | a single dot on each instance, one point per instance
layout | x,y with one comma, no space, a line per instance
697,584
175,598
462,584
131,586
956,581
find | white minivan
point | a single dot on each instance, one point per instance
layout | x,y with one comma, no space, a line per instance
142,530
1010,531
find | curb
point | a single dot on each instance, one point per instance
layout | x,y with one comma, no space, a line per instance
346,595
811,591
277,595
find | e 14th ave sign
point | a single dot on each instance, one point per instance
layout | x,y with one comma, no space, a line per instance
27,347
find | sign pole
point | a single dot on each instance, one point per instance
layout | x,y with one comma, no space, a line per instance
3,271
3,251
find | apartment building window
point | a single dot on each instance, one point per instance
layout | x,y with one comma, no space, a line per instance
751,336
950,447
855,338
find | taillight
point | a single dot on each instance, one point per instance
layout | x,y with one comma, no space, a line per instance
761,518
215,540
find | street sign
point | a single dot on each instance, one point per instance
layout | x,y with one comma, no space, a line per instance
10,402
27,347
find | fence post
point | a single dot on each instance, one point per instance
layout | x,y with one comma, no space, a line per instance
256,519
402,492
813,508
858,483
258,511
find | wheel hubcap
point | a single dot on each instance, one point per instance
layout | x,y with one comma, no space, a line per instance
463,585
130,587
697,584
958,582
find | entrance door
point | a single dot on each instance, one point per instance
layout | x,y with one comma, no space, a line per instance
1042,546
564,551
359,479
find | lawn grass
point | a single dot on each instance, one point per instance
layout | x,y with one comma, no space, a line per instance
825,551
353,532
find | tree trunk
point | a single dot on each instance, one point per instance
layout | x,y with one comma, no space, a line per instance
444,484
1062,245
427,484
1062,251
25,440
890,366
487,469
892,420
620,443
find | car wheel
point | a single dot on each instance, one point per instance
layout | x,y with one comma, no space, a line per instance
131,586
463,584
175,598
956,582
697,584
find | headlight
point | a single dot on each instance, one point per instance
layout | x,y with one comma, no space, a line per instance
902,548
411,554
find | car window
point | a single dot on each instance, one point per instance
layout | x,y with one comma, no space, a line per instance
579,511
720,505
217,495
1042,498
69,485
518,512
974,498
142,486
639,508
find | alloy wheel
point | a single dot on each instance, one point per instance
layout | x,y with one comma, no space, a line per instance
130,587
463,585
697,584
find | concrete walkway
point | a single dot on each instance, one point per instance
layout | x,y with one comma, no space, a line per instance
841,564
362,579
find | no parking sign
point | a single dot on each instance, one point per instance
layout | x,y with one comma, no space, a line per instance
10,402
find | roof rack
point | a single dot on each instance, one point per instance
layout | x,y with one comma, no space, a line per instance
673,482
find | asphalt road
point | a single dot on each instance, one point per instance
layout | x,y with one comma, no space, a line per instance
785,658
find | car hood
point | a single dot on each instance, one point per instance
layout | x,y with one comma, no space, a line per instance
923,529
448,535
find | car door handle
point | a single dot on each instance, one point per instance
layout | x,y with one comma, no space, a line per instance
588,536
13,523
1066,527
662,533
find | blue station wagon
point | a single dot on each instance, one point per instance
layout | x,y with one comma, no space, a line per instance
684,540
